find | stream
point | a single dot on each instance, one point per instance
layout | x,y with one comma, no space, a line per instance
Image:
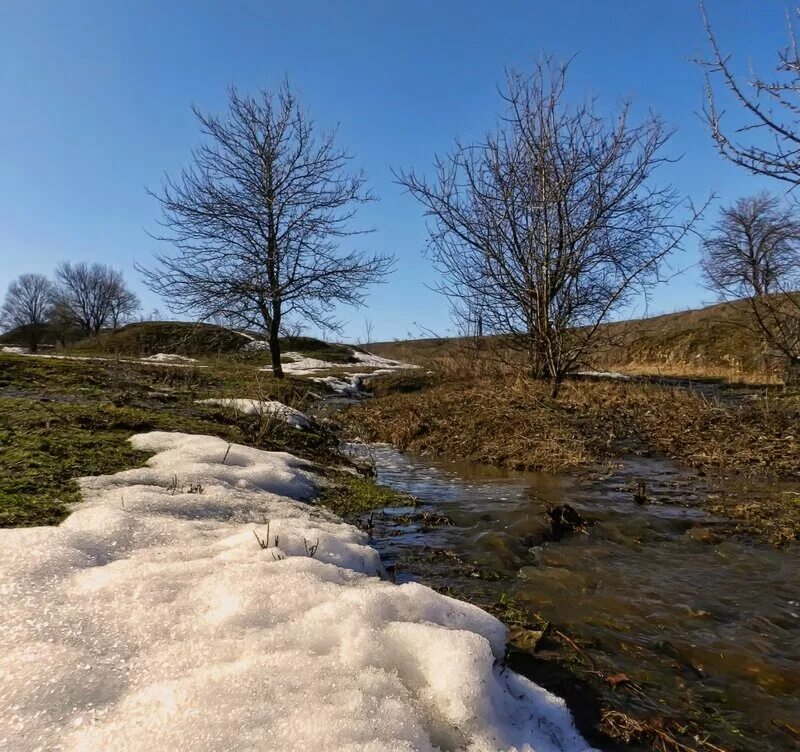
686,620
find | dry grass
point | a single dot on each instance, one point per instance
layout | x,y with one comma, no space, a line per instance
717,342
513,423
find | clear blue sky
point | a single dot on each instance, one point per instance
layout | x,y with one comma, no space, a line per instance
95,102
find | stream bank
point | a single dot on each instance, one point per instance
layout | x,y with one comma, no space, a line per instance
670,618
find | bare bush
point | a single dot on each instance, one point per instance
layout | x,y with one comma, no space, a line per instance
27,305
257,220
551,223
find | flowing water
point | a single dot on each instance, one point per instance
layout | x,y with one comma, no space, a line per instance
704,626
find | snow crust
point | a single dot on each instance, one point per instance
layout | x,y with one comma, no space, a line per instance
263,407
256,345
169,358
153,619
161,359
302,366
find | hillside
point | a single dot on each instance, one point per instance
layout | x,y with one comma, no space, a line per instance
144,338
711,341
150,337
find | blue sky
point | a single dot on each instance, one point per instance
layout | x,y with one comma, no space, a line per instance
95,106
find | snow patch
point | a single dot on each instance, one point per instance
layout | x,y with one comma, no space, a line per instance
350,385
256,345
152,618
299,365
263,407
152,361
169,358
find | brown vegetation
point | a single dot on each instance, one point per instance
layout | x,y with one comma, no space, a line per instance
718,341
513,423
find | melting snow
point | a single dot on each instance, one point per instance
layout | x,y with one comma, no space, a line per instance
263,407
161,359
302,366
152,618
169,358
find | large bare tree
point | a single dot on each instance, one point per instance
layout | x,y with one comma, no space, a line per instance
92,296
551,223
27,305
767,140
753,252
257,220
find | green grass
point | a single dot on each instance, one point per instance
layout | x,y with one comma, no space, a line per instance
150,337
350,495
63,419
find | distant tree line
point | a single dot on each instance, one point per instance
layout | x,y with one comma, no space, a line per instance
83,297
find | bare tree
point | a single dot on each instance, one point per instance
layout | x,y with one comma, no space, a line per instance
92,296
769,141
753,252
551,223
257,220
27,306
367,335
124,302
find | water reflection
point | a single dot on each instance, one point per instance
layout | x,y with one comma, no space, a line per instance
706,624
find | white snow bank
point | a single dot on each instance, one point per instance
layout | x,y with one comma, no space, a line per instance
350,385
169,358
263,407
161,359
302,366
256,345
153,619
369,359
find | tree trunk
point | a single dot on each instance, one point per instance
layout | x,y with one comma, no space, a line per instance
274,343
555,387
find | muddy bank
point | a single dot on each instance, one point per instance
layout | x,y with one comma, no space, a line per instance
658,625
513,424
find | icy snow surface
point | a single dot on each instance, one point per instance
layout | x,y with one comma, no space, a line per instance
161,359
152,619
262,407
302,366
169,358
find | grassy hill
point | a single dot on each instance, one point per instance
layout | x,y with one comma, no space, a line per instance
145,338
714,341
150,337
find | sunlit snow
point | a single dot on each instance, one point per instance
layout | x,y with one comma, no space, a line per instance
262,407
197,604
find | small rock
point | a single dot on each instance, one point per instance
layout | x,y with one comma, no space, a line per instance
703,535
